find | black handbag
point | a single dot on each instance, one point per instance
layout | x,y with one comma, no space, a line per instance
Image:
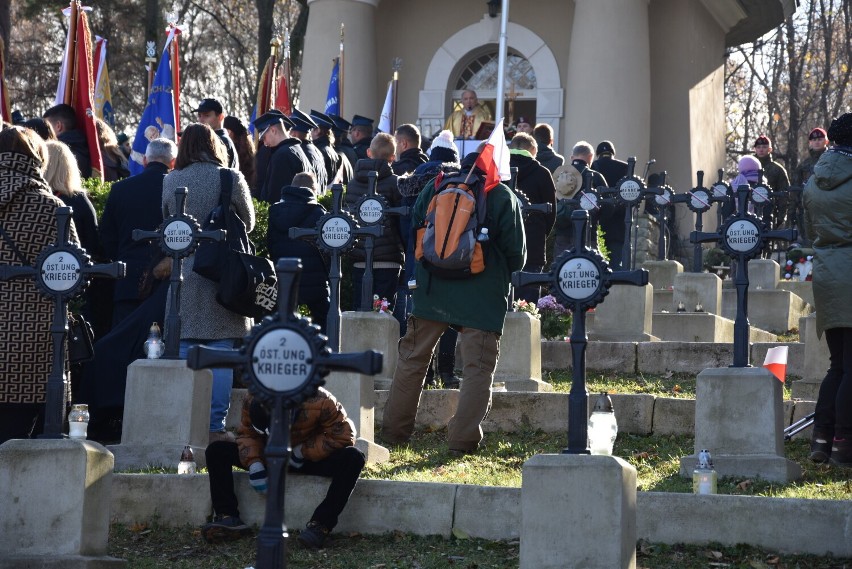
247,283
81,340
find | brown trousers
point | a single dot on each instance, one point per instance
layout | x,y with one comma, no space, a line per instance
479,351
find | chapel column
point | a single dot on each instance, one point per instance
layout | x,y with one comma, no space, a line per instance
608,86
322,44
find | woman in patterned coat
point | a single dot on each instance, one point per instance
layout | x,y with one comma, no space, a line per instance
28,223
201,155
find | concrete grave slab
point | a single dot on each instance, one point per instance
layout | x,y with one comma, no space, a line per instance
674,416
624,315
519,364
661,274
689,357
693,289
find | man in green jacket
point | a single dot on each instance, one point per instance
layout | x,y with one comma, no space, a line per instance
475,306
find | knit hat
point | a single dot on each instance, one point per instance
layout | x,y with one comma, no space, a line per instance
443,148
840,131
762,139
605,147
748,166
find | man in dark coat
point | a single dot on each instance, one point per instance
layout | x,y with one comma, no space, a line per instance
361,134
211,113
64,122
299,208
569,179
302,126
344,147
543,134
409,155
612,214
535,181
135,203
776,176
324,141
287,158
388,251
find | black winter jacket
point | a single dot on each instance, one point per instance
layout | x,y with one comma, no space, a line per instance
409,161
286,161
535,181
298,208
388,247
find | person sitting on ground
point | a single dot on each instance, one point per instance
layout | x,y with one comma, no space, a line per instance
323,440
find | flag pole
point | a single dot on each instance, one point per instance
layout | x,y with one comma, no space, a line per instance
5,104
287,73
174,55
501,62
72,53
396,65
340,74
274,44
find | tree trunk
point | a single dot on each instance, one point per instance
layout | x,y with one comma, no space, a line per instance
5,22
265,23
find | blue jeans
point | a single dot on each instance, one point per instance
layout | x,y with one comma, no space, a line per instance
222,381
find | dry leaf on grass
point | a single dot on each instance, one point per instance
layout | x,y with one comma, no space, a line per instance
757,564
713,554
744,485
460,534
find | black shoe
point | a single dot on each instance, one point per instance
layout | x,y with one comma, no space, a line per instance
224,528
450,381
314,535
841,452
820,446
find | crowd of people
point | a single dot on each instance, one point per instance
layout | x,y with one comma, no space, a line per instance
298,157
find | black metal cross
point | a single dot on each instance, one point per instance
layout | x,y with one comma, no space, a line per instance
763,198
588,199
179,237
335,234
61,272
371,210
579,279
699,199
723,192
285,360
631,191
663,199
742,236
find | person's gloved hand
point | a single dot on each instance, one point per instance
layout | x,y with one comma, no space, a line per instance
257,477
297,460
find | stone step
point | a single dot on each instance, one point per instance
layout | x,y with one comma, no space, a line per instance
701,327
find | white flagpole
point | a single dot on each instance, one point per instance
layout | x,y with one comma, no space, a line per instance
501,64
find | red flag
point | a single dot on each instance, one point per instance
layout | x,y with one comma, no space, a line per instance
5,106
174,51
494,158
82,99
282,99
776,362
264,87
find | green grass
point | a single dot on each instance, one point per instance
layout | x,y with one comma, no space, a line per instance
670,384
182,548
656,459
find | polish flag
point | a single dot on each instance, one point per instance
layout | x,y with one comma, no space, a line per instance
494,158
776,362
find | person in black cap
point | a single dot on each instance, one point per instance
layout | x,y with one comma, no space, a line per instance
210,112
611,217
323,139
287,158
17,117
776,176
361,134
343,145
302,126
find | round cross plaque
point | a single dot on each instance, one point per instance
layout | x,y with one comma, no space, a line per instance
720,190
699,200
282,360
336,232
370,211
742,236
665,198
760,194
630,190
60,271
588,201
177,235
579,278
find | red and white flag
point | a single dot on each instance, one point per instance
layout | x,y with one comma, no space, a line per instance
776,362
494,158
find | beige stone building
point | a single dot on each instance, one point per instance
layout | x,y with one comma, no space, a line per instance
646,74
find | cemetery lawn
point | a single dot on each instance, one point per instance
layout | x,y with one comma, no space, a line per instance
678,385
656,459
182,548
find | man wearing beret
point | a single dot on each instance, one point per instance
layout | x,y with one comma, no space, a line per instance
302,127
361,135
776,176
287,158
211,113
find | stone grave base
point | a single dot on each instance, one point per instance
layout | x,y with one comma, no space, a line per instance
527,385
62,562
770,467
701,327
130,457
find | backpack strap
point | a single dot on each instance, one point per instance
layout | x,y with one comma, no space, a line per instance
226,187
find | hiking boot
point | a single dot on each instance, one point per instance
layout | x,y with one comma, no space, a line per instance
446,368
224,528
314,535
841,452
820,446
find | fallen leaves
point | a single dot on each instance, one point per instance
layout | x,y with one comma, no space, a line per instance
744,485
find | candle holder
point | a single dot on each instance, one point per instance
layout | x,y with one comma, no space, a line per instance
78,421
